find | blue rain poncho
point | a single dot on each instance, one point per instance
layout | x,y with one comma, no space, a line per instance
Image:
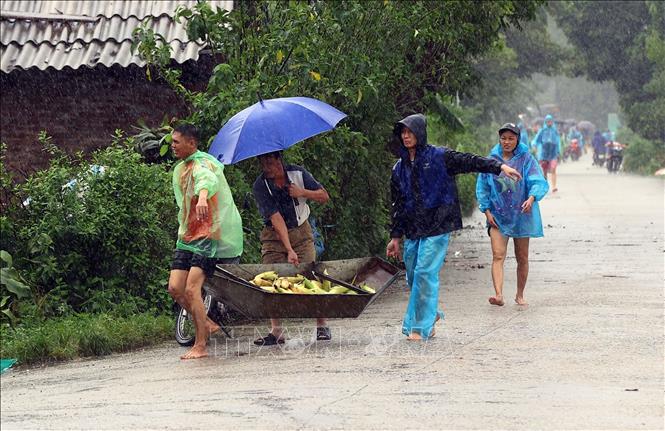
547,141
575,134
504,197
423,258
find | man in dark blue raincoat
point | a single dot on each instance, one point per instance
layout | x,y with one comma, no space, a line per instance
425,210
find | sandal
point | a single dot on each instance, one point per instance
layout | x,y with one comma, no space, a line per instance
269,340
323,333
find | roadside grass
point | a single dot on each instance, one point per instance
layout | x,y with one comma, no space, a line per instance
82,335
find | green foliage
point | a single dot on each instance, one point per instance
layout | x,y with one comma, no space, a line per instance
82,335
95,235
503,92
370,59
622,41
152,143
13,286
642,155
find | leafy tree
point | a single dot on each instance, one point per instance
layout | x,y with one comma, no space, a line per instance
505,90
622,41
375,60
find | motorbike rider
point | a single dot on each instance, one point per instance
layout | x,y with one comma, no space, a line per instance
614,155
598,144
573,133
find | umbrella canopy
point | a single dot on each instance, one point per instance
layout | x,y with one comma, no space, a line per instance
586,125
272,125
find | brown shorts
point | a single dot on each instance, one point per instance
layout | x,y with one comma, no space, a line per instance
302,241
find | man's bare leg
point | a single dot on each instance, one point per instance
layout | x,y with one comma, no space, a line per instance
177,283
499,246
522,256
276,328
193,288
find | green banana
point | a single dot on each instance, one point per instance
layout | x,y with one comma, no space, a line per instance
261,282
268,275
297,279
338,290
368,289
269,289
326,285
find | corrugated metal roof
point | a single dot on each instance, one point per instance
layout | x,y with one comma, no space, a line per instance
124,9
45,43
116,28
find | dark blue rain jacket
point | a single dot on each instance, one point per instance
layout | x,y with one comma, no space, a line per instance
598,142
424,193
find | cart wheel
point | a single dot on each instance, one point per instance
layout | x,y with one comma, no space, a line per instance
184,326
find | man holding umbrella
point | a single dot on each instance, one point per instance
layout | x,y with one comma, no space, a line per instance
281,194
281,191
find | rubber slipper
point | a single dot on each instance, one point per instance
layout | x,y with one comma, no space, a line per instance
323,333
269,340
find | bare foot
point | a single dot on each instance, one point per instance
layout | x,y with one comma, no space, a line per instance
496,300
196,352
520,301
414,337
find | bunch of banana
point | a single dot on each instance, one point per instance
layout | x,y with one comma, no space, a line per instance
271,282
265,281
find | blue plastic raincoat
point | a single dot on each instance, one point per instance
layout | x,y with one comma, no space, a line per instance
575,134
547,141
504,197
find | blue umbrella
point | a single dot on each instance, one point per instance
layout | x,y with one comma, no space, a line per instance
272,125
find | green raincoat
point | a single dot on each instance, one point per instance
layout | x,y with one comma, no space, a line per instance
220,234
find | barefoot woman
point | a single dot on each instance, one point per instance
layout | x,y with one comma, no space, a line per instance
511,208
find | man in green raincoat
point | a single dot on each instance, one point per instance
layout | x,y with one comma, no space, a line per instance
210,229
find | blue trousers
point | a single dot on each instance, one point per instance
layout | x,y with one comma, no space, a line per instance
423,258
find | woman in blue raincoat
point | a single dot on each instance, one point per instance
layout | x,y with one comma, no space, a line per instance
548,145
425,209
511,208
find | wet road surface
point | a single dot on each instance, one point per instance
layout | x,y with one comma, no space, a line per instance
586,353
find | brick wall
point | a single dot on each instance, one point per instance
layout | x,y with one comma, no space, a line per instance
80,108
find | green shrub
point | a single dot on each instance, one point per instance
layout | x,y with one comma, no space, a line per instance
642,155
97,234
